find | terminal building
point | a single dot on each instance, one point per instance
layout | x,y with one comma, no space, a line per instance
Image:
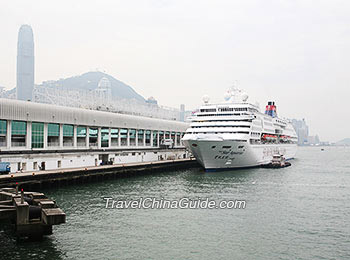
35,136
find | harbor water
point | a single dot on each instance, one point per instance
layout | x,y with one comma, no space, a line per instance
299,212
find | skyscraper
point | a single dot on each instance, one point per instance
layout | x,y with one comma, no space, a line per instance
25,63
302,131
182,112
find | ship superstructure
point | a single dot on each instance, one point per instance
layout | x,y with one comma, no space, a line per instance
236,134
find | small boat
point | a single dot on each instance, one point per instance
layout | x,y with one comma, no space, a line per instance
278,161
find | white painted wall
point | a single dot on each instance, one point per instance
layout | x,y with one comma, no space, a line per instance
77,160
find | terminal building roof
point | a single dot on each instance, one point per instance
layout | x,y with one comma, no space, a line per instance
11,109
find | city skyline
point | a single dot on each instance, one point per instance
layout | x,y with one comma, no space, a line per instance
296,55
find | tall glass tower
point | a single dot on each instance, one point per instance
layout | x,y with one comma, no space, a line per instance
25,63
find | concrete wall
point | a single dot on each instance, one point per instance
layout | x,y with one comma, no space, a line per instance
33,162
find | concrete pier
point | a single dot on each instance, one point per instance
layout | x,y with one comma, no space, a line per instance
32,213
59,177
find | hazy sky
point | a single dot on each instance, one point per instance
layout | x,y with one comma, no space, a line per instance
295,52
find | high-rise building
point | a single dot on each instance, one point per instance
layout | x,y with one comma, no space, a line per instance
182,113
25,63
302,130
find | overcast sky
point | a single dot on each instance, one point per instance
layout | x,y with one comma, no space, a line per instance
295,52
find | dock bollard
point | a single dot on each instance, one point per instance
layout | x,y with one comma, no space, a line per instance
22,196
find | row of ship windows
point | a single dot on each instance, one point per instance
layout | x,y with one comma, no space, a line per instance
279,121
223,109
238,132
254,134
258,141
237,114
222,121
221,126
234,114
226,146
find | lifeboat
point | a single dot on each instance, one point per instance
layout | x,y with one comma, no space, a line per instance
269,137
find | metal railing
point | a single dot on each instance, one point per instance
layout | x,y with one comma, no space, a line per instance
53,144
66,144
18,144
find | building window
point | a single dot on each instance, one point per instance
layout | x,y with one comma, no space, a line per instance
53,133
155,138
37,135
68,130
178,138
3,127
161,136
3,132
167,135
81,136
104,137
148,137
93,135
68,135
18,133
123,137
140,137
114,137
173,137
132,136
81,131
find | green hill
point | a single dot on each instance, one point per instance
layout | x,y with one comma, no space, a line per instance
89,81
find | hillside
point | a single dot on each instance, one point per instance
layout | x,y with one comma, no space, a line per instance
345,141
89,81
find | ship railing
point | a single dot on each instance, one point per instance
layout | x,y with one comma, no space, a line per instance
2,143
67,144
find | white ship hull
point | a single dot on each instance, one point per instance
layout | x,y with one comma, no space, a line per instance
235,134
221,154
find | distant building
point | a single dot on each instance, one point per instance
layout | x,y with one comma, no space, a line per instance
25,63
313,140
104,89
152,100
2,90
182,113
302,131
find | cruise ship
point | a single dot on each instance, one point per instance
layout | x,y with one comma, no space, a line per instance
235,134
35,137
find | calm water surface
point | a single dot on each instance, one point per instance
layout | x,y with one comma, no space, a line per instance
299,212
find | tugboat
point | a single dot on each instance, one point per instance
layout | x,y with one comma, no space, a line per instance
278,161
